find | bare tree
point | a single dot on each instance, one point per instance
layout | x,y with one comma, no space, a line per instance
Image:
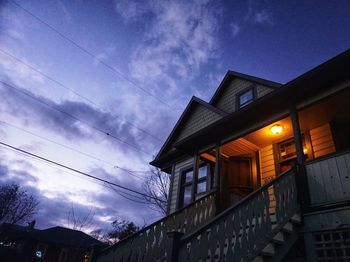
16,205
79,222
156,185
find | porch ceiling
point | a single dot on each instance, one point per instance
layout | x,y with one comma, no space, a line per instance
263,136
238,147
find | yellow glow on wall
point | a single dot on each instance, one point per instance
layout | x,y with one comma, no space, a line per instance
276,129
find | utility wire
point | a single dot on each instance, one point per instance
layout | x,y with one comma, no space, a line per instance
131,172
72,90
122,194
89,53
22,91
77,171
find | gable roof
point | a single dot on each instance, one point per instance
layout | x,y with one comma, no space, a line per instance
306,86
55,235
184,116
232,74
66,236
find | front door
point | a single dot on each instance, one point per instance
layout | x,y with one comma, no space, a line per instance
237,181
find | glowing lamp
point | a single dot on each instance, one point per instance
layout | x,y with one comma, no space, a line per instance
276,129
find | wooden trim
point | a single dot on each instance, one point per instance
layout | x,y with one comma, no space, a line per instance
181,185
170,189
258,174
195,176
302,182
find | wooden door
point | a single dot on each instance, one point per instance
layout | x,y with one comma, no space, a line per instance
238,180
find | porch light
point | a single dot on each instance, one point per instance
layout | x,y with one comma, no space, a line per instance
276,129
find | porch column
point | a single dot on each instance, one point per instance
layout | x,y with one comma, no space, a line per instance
195,176
302,183
217,177
217,183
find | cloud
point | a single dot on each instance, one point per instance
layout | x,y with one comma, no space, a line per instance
54,205
235,29
263,17
257,14
131,10
181,37
67,124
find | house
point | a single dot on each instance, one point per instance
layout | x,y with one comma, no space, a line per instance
55,244
260,173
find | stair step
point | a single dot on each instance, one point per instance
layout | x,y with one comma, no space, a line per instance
278,238
296,219
288,228
269,250
258,259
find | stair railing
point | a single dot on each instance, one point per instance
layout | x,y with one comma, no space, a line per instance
150,243
242,231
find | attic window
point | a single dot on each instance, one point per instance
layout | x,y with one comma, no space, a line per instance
245,97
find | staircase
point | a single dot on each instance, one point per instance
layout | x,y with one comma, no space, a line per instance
282,242
261,227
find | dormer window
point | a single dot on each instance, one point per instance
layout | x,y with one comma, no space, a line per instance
245,97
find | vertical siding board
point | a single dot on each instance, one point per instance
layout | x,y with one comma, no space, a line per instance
314,184
335,178
322,182
344,166
329,179
328,185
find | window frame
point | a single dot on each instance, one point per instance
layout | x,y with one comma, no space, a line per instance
184,184
239,94
195,179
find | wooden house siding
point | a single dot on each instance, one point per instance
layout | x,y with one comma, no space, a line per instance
267,164
176,183
329,179
200,118
322,140
227,101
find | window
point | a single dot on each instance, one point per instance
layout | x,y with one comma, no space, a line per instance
186,187
245,98
287,153
204,175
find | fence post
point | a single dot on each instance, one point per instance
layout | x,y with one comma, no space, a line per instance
173,245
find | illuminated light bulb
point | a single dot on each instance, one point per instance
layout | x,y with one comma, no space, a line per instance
305,150
276,129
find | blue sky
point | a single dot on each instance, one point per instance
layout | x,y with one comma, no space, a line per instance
172,49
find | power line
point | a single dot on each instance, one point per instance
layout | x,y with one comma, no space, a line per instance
22,91
77,171
131,172
72,90
111,68
122,194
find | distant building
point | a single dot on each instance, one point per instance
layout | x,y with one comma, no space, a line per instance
261,172
56,244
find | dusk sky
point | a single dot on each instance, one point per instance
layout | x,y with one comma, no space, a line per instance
152,56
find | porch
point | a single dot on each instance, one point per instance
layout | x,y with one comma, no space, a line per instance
240,165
